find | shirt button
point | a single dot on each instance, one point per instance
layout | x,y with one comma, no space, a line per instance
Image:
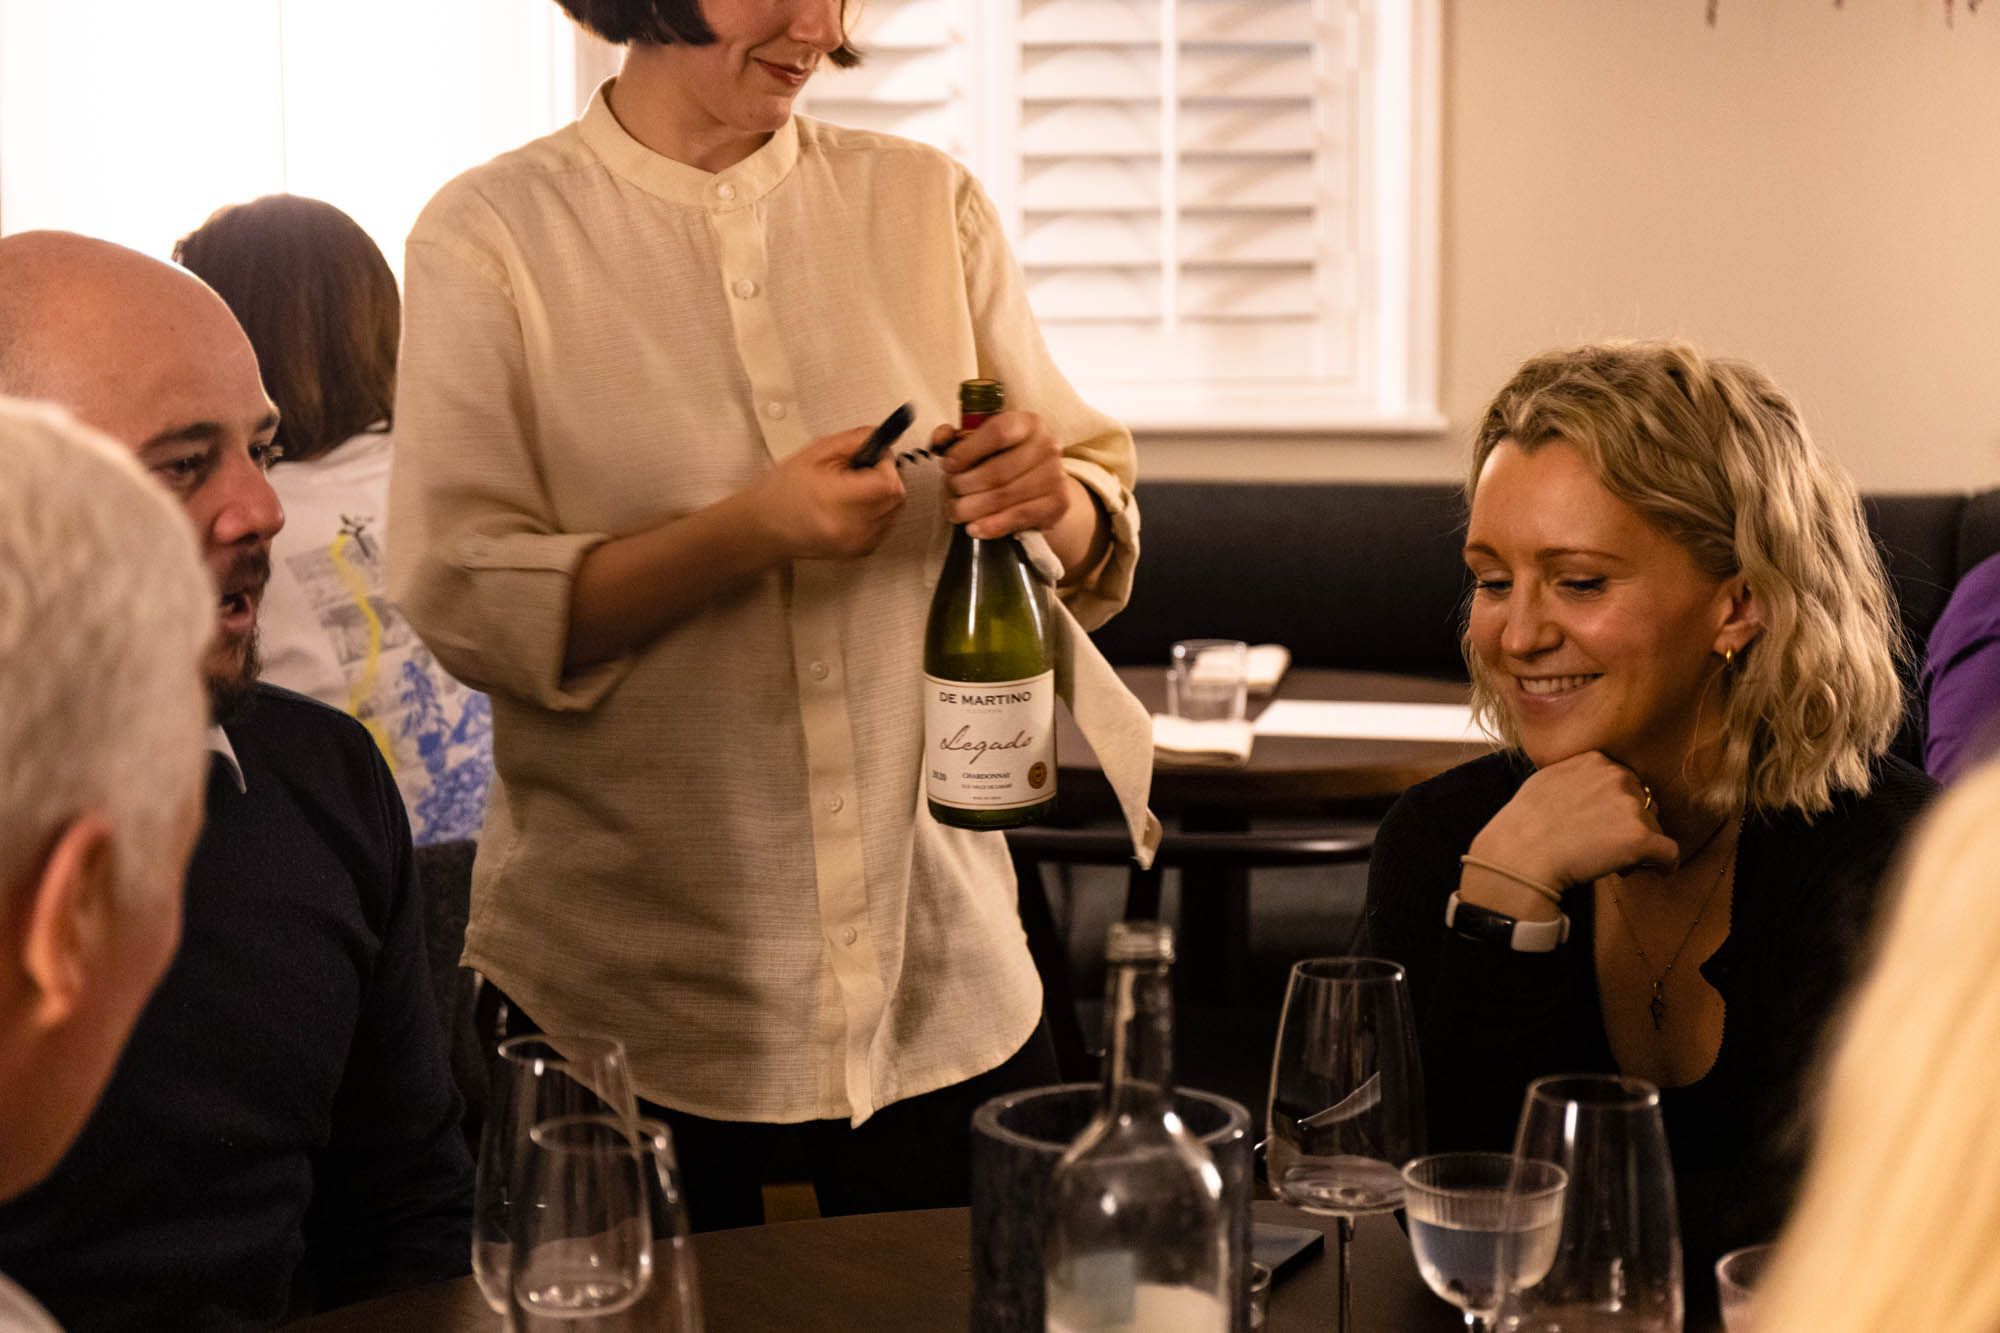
849,935
836,804
724,190
819,670
775,411
745,288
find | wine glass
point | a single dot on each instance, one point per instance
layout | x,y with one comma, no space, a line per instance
533,1079
582,1221
1736,1276
1461,1205
1347,1095
1617,1263
674,1302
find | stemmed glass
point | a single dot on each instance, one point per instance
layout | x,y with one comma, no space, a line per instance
533,1080
1347,1095
1736,1276
674,1303
1617,1263
1462,1206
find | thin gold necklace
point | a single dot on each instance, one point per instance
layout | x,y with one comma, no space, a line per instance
1656,1007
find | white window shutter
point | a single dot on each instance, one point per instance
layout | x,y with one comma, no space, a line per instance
1225,209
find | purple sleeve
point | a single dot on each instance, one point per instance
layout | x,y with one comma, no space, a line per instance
1961,677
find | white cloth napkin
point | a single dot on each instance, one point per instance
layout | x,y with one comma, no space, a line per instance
1188,742
1265,665
1109,715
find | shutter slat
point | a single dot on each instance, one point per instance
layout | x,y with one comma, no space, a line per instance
1101,239
1066,22
1255,73
1234,184
1241,21
1206,127
1088,185
1103,129
1090,74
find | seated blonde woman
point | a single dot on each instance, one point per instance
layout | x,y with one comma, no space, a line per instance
1682,634
1898,1222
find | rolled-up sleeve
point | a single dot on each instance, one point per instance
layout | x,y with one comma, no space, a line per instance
477,561
1097,450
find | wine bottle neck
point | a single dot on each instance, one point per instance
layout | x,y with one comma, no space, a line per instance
1138,1036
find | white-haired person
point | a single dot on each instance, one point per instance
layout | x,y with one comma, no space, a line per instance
1681,632
1898,1220
105,616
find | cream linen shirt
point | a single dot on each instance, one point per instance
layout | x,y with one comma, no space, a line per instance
716,848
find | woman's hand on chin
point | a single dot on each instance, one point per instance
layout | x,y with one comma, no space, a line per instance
1573,821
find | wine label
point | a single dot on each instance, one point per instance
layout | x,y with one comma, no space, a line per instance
990,745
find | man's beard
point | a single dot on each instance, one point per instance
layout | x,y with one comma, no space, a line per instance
230,696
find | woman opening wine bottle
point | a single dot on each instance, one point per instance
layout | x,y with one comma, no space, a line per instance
640,355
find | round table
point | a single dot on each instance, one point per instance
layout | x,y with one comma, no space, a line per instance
1286,775
912,1273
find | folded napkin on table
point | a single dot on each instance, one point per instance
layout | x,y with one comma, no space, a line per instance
1265,665
1186,742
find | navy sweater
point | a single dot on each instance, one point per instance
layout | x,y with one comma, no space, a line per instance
281,1132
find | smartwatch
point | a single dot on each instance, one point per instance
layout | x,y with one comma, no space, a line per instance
1483,923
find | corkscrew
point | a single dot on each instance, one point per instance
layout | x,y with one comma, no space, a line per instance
909,456
878,441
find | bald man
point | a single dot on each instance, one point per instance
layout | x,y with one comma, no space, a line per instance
281,1133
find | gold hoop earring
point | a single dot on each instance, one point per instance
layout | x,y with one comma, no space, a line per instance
1728,658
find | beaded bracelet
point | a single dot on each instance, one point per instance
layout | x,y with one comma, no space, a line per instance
1554,895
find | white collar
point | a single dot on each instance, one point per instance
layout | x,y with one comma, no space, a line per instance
218,744
22,1313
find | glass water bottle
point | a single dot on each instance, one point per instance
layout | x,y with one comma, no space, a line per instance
1137,1232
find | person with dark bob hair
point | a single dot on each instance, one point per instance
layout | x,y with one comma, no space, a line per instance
640,358
663,22
1681,633
319,303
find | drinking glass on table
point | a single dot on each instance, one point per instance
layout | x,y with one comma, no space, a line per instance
581,1222
1347,1095
533,1079
1617,1263
1736,1276
1461,1206
1208,680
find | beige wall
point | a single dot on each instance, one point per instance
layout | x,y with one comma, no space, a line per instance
1816,189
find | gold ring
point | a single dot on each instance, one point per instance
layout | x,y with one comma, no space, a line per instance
1649,796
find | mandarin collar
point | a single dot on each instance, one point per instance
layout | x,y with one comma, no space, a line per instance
741,186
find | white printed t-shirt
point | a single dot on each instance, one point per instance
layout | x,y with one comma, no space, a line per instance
327,630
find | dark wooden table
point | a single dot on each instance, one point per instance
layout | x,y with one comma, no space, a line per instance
1349,783
1286,775
912,1273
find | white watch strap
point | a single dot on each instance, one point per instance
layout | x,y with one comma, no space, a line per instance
1528,936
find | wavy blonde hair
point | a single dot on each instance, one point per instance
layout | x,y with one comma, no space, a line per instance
1714,455
1898,1221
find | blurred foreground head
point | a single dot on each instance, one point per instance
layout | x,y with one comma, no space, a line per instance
1898,1223
105,614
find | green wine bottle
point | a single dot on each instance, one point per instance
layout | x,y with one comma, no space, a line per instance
989,674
